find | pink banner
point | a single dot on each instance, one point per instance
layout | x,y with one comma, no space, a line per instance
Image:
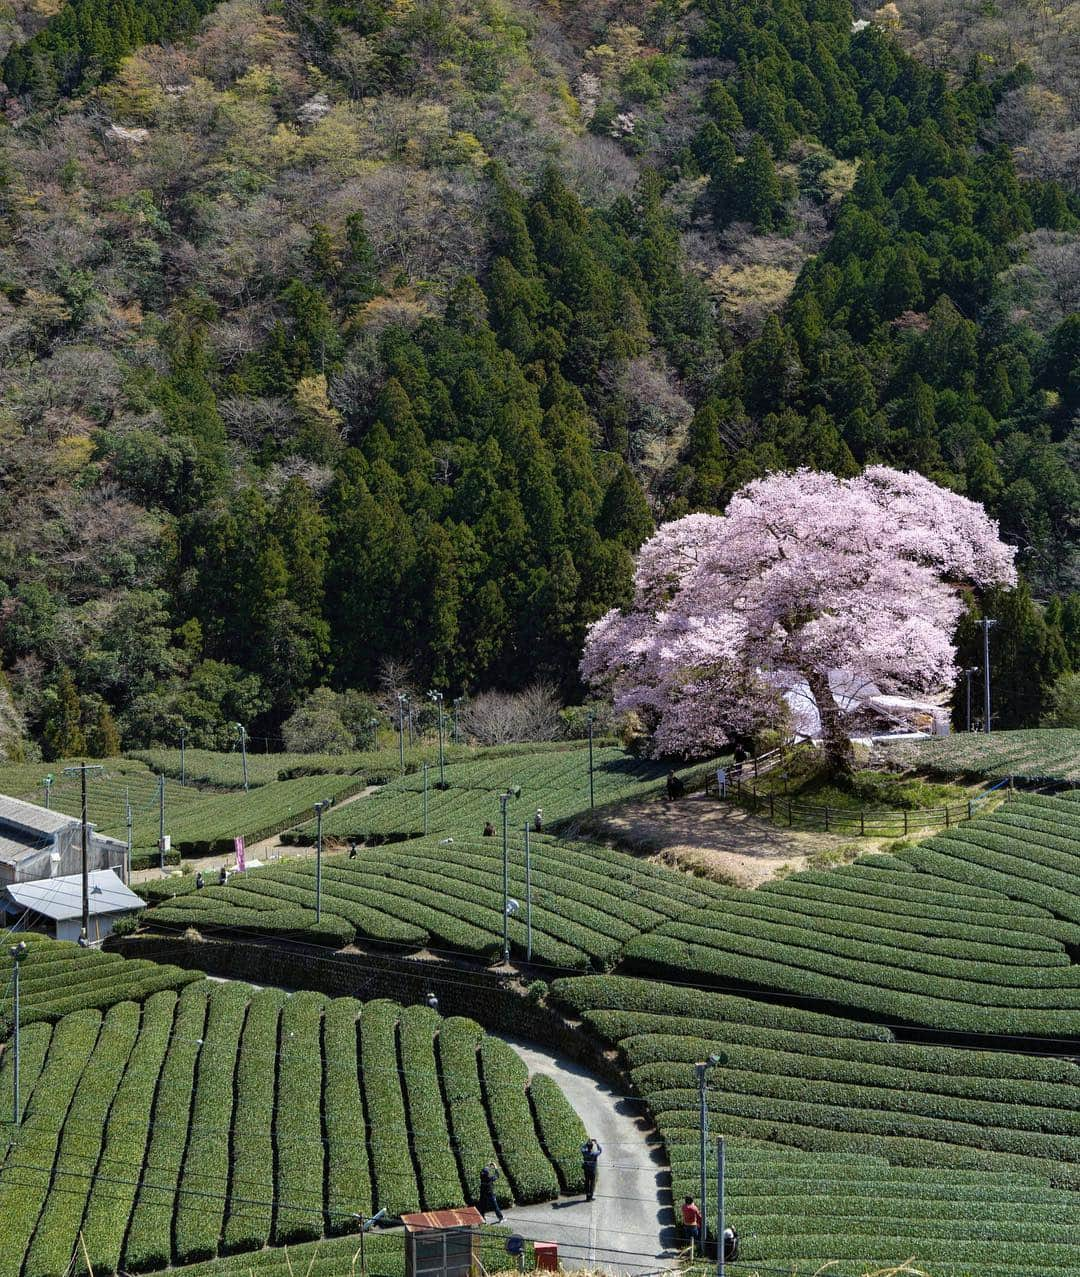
238,843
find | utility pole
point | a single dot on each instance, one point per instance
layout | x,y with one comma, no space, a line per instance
528,897
701,1070
591,718
719,1206
513,792
241,731
437,698
967,677
183,776
425,797
402,701
128,822
320,807
48,783
82,769
409,704
457,734
161,821
986,622
18,953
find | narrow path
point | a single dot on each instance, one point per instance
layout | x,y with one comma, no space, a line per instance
627,1228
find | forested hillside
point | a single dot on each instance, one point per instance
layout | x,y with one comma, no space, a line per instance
335,332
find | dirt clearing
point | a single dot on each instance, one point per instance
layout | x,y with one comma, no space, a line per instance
723,841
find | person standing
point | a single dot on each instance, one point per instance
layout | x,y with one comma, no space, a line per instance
691,1218
590,1155
488,1201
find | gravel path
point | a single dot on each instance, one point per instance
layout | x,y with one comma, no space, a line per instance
627,1227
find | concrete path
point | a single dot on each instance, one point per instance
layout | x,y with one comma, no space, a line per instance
627,1228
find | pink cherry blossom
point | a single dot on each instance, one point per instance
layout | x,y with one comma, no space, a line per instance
805,574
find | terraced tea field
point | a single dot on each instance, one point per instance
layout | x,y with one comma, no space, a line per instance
1037,754
970,931
587,901
556,781
211,1118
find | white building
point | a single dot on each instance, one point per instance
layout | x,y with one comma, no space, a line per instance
54,905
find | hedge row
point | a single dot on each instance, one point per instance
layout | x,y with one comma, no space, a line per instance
149,1240
348,1183
200,1207
440,1181
562,1132
81,1144
28,1166
126,1136
505,1077
391,1161
298,1127
459,1041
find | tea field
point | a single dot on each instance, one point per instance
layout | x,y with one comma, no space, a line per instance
843,1143
204,1117
587,901
1038,754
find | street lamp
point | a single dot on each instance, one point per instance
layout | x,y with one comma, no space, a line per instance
320,807
48,783
590,718
18,954
402,701
986,622
514,791
437,699
701,1069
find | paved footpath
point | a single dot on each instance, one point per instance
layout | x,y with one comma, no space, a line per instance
627,1228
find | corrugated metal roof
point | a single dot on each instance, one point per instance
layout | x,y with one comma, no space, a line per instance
39,820
61,898
464,1218
14,848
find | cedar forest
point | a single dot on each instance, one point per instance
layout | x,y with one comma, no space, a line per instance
338,331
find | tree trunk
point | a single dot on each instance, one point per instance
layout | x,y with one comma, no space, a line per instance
837,746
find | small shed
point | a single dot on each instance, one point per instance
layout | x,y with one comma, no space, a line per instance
55,904
36,842
442,1243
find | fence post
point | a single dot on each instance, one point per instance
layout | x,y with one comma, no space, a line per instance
905,820
969,809
946,815
862,820
826,817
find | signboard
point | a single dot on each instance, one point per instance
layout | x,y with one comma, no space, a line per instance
238,843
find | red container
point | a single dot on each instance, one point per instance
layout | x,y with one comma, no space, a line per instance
547,1256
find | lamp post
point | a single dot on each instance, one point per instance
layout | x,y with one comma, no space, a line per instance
514,791
590,719
437,699
183,773
986,622
402,701
48,783
701,1069
972,669
18,953
241,732
320,807
528,897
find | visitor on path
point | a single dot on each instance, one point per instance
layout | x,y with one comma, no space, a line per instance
731,1245
538,821
691,1218
489,829
740,758
721,782
223,875
200,882
352,848
488,1201
590,1155
675,787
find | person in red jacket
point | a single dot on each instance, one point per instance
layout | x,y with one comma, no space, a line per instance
691,1218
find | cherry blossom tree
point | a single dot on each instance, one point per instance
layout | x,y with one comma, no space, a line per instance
804,576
